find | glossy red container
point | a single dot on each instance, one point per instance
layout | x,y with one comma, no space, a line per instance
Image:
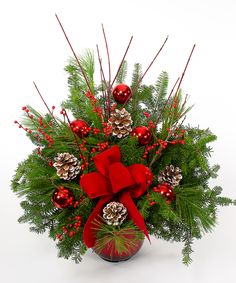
109,253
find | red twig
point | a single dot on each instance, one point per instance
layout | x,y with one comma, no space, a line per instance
184,71
43,99
50,112
76,58
108,55
103,79
109,70
122,61
100,63
159,51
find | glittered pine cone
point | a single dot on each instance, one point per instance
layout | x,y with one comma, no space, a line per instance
114,213
67,165
171,175
120,122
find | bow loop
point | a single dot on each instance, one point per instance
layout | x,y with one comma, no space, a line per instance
105,159
120,177
95,185
143,178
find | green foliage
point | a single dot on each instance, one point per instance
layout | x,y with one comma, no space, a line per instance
75,74
137,74
122,73
154,100
187,250
191,157
35,181
77,102
192,208
131,153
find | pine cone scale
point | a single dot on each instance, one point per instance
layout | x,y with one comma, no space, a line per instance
67,165
114,213
171,175
120,122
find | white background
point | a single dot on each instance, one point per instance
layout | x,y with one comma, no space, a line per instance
33,48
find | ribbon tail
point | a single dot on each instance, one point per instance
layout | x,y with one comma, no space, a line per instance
89,234
134,214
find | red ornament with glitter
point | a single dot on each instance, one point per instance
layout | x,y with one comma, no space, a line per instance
62,197
80,128
122,93
166,191
143,134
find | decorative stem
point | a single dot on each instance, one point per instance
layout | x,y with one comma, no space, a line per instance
103,79
122,61
50,112
108,58
76,58
159,51
184,71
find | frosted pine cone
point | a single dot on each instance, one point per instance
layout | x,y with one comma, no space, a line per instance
171,175
120,122
67,165
114,213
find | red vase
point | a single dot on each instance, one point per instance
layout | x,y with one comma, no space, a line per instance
109,252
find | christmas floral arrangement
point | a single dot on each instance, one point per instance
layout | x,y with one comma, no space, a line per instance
125,167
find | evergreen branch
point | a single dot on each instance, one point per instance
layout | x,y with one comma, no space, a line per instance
122,73
187,250
193,210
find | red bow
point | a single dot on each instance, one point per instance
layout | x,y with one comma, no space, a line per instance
113,178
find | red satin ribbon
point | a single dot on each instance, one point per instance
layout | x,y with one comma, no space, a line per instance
114,179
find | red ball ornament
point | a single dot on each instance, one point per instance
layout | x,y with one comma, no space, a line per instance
143,134
166,191
62,197
80,128
122,93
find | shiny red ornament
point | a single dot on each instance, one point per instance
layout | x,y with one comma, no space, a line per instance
143,134
122,93
80,128
62,197
166,191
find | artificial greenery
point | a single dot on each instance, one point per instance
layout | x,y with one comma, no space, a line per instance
193,211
